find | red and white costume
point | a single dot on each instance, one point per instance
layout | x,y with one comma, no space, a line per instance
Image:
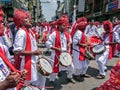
25,40
103,58
59,40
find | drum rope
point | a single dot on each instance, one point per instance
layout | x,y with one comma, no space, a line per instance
64,58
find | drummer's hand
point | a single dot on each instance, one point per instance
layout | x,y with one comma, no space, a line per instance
68,51
106,43
38,52
12,80
24,74
59,49
84,45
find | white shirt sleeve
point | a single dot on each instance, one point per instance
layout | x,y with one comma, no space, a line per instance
77,37
86,30
20,41
51,40
116,37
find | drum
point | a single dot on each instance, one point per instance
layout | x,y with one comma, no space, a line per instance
29,88
44,67
98,49
65,59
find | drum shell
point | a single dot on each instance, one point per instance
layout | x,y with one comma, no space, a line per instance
100,51
41,70
29,88
61,63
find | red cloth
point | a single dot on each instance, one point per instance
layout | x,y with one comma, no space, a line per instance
118,47
93,40
28,58
82,49
1,29
114,81
57,53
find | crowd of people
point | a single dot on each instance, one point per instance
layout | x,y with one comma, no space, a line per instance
19,52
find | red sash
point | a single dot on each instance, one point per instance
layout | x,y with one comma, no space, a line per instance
28,58
7,62
82,49
111,46
57,53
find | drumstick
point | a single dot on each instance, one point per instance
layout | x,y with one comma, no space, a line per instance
58,60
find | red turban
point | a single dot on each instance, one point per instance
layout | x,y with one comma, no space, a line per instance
1,29
19,15
81,23
1,14
107,25
81,19
63,20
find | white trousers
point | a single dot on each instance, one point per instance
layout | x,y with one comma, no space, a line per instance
102,59
69,70
82,67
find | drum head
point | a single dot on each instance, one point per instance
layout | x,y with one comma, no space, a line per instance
97,49
45,65
29,88
65,59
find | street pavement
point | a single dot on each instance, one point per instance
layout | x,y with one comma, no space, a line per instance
85,83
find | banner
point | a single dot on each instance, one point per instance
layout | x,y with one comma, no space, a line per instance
113,6
81,5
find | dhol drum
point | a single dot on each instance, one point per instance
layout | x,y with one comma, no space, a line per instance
44,67
65,59
29,88
98,49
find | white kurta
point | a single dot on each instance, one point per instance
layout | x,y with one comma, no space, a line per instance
20,44
4,70
91,31
51,42
78,64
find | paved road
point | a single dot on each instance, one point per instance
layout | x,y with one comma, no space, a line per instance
85,83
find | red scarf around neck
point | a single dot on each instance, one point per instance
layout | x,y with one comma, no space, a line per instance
82,49
57,53
28,58
111,46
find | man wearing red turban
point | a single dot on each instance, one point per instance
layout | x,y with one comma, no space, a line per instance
109,39
60,41
79,44
26,48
